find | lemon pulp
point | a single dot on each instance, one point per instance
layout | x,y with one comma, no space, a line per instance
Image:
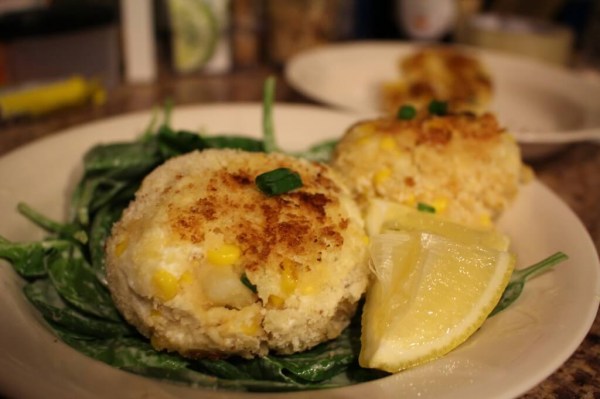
383,215
434,285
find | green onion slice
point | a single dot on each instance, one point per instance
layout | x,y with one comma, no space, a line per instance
439,108
423,207
278,181
406,112
244,279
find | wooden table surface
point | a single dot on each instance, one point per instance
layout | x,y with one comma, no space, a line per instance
573,173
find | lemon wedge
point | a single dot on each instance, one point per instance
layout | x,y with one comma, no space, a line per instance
387,215
434,285
195,33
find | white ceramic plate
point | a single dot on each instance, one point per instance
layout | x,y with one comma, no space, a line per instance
529,96
513,351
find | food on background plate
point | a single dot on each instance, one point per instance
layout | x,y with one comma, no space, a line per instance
461,166
204,263
439,73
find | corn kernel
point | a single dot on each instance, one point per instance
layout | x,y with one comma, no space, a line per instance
165,284
381,176
307,289
186,278
485,220
288,281
440,204
276,301
224,255
410,200
120,247
365,238
388,143
154,313
251,327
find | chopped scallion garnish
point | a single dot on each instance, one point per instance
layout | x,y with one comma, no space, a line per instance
244,279
406,112
439,108
278,181
423,207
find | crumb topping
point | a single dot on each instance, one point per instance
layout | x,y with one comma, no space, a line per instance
304,222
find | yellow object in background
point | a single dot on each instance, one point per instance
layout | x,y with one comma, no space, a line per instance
34,100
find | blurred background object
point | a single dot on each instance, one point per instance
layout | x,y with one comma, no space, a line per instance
548,30
536,38
296,25
52,41
200,37
247,32
43,98
140,42
426,19
589,55
42,39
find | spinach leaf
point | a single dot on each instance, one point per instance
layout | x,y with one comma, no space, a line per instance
322,362
97,191
64,230
136,355
76,282
122,160
172,143
236,142
270,142
123,352
318,364
29,259
45,298
519,277
197,379
106,193
320,152
99,232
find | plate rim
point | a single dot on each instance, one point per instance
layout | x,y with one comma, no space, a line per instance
292,66
255,107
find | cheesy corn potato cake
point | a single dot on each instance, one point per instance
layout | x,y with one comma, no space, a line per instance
464,166
439,73
204,263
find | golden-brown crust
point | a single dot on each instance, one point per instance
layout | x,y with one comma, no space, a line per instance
296,221
441,73
438,130
161,256
465,163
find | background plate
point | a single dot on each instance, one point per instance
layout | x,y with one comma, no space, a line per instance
528,95
511,353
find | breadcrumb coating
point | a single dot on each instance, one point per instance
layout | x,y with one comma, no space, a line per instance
463,165
205,264
439,73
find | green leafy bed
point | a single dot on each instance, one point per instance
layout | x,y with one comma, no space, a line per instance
65,280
